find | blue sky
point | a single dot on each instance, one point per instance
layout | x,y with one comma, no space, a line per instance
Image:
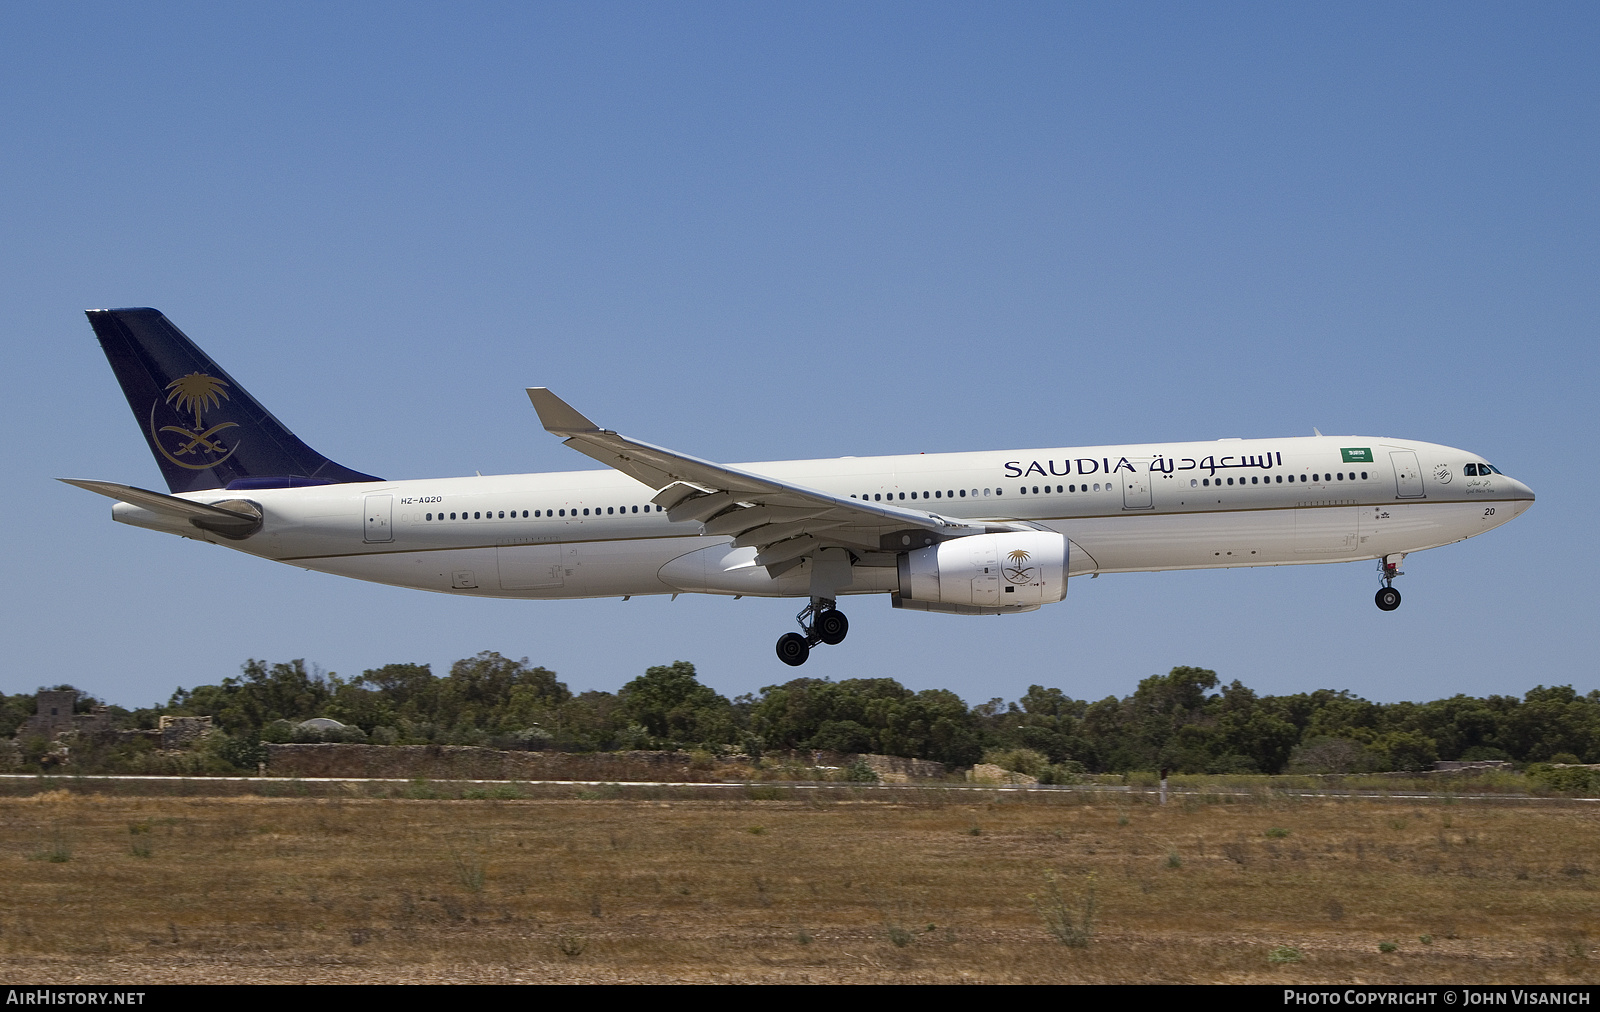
755,231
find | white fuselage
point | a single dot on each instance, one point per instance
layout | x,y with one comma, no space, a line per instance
1158,506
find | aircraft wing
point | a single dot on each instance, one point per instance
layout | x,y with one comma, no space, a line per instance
786,522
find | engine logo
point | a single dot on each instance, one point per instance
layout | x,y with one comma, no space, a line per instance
1017,572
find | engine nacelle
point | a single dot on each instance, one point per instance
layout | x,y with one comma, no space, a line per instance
985,574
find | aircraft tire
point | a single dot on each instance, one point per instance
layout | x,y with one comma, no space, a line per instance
793,649
1387,599
831,627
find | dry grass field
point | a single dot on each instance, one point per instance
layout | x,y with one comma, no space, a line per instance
924,887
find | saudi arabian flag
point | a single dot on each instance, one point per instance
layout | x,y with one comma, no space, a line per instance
1356,455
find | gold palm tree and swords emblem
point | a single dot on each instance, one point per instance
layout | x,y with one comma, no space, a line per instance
194,394
1017,572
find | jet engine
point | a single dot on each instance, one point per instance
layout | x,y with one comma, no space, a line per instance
985,574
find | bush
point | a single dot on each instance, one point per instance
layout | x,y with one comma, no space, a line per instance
859,772
241,751
1328,754
1072,923
1018,760
1062,773
1565,779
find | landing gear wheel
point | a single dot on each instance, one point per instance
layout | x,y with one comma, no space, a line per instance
1387,599
793,649
831,627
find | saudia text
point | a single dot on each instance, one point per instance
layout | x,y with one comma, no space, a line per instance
1160,465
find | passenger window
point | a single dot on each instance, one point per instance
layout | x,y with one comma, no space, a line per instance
963,493
1363,476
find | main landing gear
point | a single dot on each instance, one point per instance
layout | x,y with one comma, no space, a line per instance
1387,598
820,622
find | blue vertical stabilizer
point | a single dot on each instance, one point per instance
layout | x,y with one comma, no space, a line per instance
204,429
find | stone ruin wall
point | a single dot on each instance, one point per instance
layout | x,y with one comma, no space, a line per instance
468,762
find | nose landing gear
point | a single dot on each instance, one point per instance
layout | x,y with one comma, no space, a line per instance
1387,598
820,623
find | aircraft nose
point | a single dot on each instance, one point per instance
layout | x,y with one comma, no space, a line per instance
1521,492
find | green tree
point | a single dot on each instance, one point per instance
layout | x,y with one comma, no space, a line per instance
261,694
669,701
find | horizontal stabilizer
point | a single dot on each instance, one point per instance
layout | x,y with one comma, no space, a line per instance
243,520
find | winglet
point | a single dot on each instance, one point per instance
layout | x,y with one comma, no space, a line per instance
557,415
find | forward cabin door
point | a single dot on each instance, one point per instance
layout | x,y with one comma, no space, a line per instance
1407,474
379,524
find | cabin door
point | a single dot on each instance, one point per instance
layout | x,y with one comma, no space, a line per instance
1407,474
379,525
1136,486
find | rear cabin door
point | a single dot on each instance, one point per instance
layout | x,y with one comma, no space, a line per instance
379,526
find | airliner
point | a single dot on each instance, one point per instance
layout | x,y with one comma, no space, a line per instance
977,533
